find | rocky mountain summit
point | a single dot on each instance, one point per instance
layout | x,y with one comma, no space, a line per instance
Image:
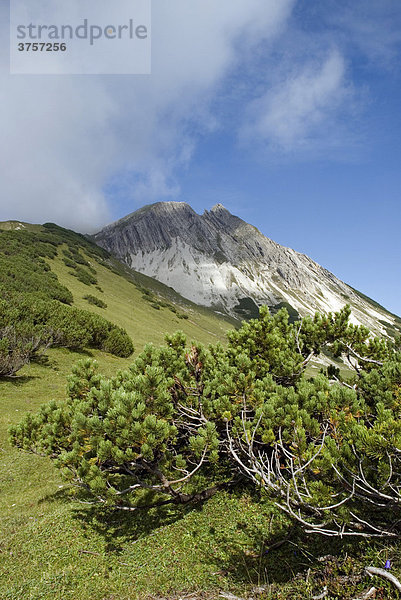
218,260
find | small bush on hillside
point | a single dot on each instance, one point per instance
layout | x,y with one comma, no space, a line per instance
81,329
84,276
69,327
14,354
119,343
69,263
95,301
78,258
19,345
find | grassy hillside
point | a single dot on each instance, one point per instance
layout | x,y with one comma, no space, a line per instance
147,313
53,548
145,308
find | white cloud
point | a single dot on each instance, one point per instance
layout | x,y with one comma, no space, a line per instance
65,137
294,113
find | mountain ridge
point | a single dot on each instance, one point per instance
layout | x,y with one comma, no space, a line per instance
216,259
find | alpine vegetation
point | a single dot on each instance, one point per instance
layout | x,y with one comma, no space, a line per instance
35,308
183,422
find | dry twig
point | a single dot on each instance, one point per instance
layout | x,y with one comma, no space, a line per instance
385,574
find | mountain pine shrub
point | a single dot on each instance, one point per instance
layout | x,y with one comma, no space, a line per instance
84,276
19,345
183,422
95,301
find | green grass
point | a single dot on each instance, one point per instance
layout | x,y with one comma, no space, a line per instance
53,547
127,308
17,225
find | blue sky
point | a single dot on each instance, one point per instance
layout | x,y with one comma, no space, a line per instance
288,113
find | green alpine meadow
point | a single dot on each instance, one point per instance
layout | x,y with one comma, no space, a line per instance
152,448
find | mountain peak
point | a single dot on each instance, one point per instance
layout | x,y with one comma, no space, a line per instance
217,259
218,208
164,207
169,204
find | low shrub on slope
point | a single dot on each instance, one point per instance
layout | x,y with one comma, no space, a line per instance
182,423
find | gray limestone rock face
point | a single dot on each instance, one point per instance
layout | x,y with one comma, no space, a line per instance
217,259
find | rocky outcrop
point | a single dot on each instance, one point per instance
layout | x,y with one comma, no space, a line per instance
217,259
